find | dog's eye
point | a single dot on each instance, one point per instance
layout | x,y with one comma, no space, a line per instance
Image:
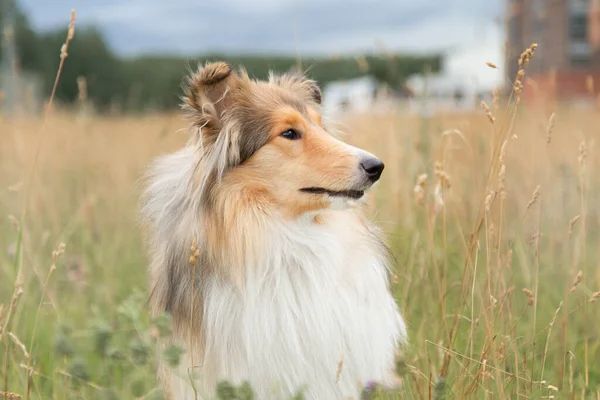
291,134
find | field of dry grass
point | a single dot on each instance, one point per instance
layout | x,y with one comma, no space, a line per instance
496,246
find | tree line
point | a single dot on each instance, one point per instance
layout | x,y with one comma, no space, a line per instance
153,82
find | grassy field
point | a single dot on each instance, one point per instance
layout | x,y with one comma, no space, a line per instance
496,246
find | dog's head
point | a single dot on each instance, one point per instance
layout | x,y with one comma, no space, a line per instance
267,139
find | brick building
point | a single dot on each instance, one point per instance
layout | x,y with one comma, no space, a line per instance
567,32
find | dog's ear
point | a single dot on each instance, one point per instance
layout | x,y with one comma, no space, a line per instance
299,84
206,94
314,90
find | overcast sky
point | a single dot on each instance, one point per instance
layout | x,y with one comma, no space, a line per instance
468,30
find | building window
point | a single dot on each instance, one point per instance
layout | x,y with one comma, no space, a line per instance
580,48
580,61
578,27
578,6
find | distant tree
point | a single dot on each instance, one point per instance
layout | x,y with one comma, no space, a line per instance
26,41
89,57
154,82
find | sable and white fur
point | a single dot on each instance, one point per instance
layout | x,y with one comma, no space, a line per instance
267,282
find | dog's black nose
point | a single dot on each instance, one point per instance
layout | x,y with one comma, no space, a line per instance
373,167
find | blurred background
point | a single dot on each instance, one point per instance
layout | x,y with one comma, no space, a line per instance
485,112
132,54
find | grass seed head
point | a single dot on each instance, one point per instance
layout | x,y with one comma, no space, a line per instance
576,281
19,344
10,396
509,255
534,198
488,201
518,84
502,157
555,316
195,251
530,298
63,51
443,177
71,31
419,189
488,112
502,182
572,224
527,55
58,252
549,128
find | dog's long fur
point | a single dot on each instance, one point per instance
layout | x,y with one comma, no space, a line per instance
267,283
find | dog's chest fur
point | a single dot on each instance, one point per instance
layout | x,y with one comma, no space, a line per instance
318,297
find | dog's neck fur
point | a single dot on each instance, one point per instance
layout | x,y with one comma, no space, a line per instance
289,300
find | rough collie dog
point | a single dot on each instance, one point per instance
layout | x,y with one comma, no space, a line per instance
259,249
